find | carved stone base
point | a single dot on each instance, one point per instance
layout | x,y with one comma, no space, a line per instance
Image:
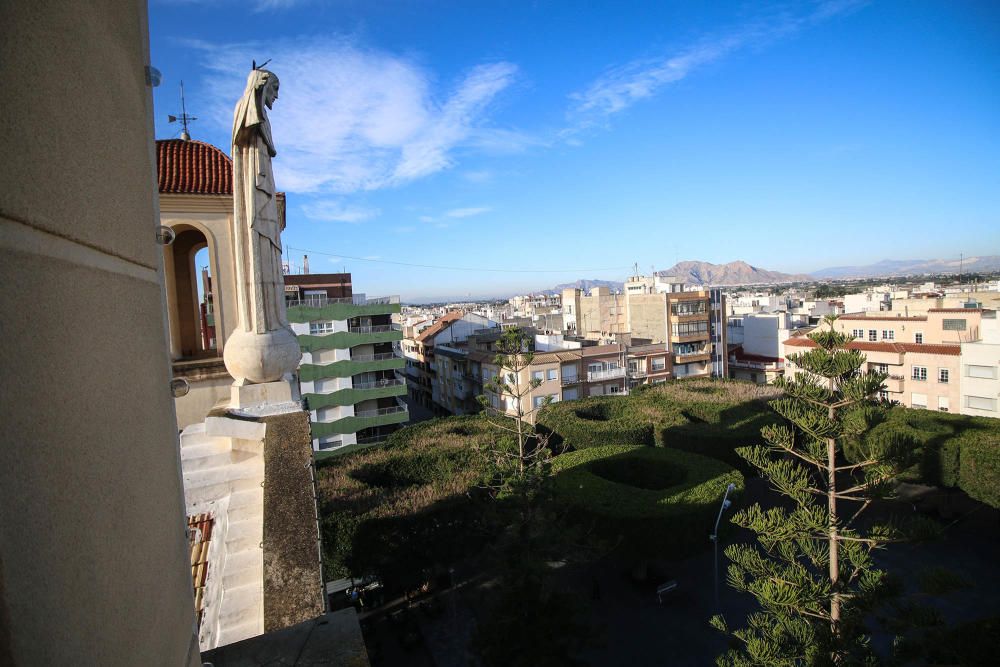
261,358
266,393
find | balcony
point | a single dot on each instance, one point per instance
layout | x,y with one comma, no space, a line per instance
362,391
609,374
567,380
689,337
637,372
894,383
396,414
313,308
692,357
377,328
362,363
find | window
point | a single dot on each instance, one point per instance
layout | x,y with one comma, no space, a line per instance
689,328
614,389
919,373
873,335
943,375
918,400
985,372
981,403
858,333
594,368
883,394
918,337
538,375
659,363
880,368
538,401
953,325
551,374
888,334
320,328
943,403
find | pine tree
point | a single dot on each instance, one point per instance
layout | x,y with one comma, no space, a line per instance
812,571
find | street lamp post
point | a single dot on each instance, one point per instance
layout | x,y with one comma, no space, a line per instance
715,538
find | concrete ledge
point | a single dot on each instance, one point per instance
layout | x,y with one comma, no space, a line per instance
293,580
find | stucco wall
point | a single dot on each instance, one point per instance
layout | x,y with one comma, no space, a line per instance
92,537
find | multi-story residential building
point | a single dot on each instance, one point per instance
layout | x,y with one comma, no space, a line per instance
950,326
980,370
350,360
433,384
563,375
594,315
921,375
758,355
648,364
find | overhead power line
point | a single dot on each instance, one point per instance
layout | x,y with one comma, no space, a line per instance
477,269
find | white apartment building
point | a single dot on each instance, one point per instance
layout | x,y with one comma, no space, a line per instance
980,369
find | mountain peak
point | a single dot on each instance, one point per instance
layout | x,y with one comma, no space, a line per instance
732,273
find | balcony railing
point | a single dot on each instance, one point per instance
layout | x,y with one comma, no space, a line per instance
382,356
396,409
319,301
378,328
375,439
569,379
637,372
378,384
610,374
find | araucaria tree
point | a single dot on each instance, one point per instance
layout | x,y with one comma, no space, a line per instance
812,571
508,405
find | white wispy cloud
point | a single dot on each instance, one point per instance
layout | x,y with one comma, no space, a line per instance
335,211
621,86
352,119
467,212
479,176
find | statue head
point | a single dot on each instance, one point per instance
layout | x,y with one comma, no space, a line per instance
262,85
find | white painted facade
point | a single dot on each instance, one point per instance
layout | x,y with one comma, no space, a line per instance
980,369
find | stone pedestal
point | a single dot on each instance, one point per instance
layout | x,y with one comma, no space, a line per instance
249,396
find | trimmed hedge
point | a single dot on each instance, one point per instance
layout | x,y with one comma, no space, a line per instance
703,416
951,450
403,508
671,522
593,422
979,471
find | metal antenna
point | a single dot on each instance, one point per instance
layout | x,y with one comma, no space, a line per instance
184,118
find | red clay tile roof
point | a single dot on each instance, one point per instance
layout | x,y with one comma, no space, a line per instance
199,535
192,168
880,318
897,348
443,323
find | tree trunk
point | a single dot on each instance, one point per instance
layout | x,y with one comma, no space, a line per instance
831,455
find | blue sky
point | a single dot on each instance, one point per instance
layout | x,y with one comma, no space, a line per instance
582,137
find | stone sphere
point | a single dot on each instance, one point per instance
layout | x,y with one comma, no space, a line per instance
261,357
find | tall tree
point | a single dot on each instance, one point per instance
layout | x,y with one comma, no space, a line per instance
812,573
507,405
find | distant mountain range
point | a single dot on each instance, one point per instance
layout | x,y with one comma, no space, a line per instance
586,286
911,267
733,273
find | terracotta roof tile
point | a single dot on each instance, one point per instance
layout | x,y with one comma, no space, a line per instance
881,318
443,323
955,310
192,168
897,348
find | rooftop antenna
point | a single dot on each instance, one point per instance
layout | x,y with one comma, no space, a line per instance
184,118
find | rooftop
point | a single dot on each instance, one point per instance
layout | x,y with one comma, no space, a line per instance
192,167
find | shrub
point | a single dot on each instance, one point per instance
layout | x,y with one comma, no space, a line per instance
593,422
404,507
979,472
664,522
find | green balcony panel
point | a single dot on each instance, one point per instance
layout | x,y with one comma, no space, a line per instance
339,311
343,340
347,368
355,424
352,396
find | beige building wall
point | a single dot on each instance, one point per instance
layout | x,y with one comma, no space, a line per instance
647,316
93,554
